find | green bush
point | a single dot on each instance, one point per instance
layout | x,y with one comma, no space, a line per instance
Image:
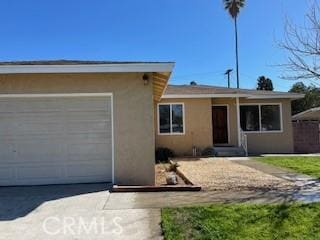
163,154
208,152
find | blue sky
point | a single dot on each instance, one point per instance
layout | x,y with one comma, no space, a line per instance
197,34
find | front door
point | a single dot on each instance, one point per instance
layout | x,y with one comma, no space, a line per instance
220,124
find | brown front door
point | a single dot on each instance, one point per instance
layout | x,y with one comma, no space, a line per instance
220,124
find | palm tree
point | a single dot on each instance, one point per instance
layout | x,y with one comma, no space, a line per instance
233,7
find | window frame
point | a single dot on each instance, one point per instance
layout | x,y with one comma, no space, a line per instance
260,124
183,118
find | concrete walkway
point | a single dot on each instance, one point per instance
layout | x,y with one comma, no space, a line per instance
307,189
181,199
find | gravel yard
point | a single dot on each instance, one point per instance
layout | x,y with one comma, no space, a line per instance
161,171
223,175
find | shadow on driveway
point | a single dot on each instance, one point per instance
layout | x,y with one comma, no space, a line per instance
16,202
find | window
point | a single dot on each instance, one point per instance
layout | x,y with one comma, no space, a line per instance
260,118
270,118
171,118
249,118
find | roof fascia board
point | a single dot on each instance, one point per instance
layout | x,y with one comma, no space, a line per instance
88,68
289,96
203,95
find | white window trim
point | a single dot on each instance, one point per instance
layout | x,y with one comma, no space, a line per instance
262,104
183,118
228,118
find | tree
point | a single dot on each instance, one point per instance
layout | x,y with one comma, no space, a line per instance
193,83
233,7
302,46
264,83
311,99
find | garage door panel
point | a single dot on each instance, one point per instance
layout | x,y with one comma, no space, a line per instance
40,117
7,152
40,128
87,115
87,170
88,150
51,144
37,172
7,174
29,105
55,140
94,104
80,138
87,126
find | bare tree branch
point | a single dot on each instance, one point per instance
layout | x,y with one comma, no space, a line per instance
302,44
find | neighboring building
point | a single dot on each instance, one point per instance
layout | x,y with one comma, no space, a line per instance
306,131
312,114
202,116
84,122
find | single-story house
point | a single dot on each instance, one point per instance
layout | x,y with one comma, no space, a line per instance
86,121
192,117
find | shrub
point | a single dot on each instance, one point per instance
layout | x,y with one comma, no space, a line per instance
164,154
208,152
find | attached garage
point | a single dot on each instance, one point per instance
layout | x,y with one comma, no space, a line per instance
65,122
55,139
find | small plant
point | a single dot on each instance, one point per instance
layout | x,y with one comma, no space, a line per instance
208,152
163,155
172,167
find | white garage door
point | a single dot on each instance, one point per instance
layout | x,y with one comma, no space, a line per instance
55,140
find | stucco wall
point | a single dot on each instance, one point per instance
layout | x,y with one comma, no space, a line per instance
273,142
133,114
198,127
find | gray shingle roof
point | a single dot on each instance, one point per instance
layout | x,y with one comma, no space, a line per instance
206,89
310,114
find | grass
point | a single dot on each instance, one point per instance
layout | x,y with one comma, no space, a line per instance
243,221
305,165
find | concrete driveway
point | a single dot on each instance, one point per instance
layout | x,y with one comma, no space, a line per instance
71,212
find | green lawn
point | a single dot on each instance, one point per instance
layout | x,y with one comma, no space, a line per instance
305,165
243,222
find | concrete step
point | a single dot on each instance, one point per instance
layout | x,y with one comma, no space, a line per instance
229,152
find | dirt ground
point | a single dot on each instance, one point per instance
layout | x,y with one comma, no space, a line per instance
161,171
223,175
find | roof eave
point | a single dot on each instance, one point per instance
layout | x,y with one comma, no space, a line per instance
280,96
248,96
171,96
89,68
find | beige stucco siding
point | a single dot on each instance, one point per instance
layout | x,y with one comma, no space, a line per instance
198,128
198,124
133,114
273,142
